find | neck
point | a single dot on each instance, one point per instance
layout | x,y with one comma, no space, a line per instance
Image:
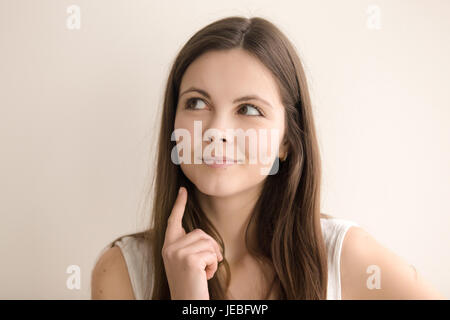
230,215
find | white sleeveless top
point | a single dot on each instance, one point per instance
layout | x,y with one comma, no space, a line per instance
333,230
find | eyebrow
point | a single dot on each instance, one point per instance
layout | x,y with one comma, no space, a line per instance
244,98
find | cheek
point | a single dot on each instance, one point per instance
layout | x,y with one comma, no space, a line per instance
262,148
181,122
184,129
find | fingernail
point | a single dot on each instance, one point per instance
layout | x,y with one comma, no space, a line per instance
179,191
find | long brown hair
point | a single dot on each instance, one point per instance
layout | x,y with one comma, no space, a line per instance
289,233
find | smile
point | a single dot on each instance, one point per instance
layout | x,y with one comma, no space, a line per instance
219,162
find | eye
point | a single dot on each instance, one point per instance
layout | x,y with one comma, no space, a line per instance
190,103
254,111
249,109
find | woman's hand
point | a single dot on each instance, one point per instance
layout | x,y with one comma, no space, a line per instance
189,259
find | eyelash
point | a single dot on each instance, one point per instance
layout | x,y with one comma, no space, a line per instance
187,106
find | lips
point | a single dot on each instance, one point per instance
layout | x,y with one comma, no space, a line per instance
219,160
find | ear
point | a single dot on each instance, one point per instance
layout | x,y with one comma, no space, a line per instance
284,150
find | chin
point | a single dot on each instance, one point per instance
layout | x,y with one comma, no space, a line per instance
211,183
222,182
217,186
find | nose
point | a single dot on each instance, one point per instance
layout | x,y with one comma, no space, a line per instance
218,128
211,138
221,126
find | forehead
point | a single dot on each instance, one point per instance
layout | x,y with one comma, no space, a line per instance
230,74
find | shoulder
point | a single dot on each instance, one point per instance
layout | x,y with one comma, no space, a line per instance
110,279
371,271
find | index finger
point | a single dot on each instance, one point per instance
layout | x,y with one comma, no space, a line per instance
174,222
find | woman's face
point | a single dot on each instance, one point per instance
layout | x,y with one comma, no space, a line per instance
208,93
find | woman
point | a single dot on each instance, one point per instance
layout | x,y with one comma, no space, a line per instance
233,232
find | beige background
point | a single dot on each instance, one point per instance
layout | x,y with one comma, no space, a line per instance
78,109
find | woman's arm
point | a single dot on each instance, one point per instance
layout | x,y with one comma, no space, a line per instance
397,278
110,279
